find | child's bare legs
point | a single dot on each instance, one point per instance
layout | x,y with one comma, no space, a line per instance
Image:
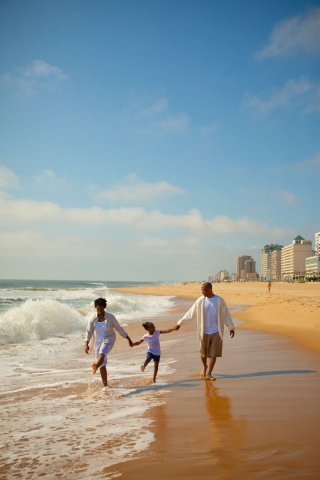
148,360
155,370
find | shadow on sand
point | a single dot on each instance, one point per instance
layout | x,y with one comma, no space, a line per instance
193,382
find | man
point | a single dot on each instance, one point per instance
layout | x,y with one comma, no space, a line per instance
212,314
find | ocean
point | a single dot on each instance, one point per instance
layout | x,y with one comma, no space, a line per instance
57,420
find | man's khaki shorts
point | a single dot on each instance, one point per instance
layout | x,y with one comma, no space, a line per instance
211,345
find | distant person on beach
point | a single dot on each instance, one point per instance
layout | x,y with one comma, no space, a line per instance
269,287
212,314
100,331
153,339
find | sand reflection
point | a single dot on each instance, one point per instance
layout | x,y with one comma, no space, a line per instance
227,433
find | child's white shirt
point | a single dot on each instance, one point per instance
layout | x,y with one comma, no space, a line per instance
153,342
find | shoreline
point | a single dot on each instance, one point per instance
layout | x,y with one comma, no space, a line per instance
290,311
259,418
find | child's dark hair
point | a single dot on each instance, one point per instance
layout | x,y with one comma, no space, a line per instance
100,302
146,325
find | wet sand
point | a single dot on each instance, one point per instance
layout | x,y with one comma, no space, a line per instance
261,417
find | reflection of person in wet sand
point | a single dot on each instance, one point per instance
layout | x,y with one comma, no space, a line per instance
100,331
212,314
226,430
153,340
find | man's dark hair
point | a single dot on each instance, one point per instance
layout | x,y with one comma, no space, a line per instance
207,284
100,302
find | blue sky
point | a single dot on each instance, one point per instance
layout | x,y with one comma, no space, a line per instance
155,140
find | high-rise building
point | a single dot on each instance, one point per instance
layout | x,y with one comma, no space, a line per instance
317,243
293,257
276,265
266,259
250,266
240,264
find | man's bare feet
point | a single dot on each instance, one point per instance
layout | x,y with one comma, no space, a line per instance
203,373
94,368
142,368
210,377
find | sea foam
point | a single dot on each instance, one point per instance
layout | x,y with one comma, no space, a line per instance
39,319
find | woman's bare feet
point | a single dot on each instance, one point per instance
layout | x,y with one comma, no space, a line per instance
142,367
210,377
94,368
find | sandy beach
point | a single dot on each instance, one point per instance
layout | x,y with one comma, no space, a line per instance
261,418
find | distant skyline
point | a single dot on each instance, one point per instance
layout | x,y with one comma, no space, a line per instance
156,140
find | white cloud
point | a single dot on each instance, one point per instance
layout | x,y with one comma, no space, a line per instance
154,109
49,179
297,34
8,179
207,130
174,124
136,190
288,197
308,164
31,78
293,93
284,195
169,125
193,223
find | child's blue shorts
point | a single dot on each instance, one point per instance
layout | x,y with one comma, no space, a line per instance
155,358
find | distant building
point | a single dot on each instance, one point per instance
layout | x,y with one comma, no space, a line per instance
276,265
293,258
266,253
312,268
240,264
249,270
317,243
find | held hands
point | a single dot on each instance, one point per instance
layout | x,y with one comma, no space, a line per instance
176,327
231,333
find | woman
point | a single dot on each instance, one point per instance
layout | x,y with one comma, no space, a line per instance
100,331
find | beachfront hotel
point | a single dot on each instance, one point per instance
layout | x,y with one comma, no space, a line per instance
293,258
317,243
276,265
313,263
266,261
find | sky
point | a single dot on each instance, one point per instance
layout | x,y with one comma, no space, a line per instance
155,140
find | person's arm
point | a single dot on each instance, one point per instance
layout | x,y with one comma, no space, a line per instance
129,340
119,329
227,318
134,344
89,333
176,327
190,315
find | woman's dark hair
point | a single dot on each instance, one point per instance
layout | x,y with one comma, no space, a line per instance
100,302
146,325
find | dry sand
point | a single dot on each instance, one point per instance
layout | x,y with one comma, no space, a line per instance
261,417
291,309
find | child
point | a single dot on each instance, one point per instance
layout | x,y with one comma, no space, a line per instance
153,353
100,331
